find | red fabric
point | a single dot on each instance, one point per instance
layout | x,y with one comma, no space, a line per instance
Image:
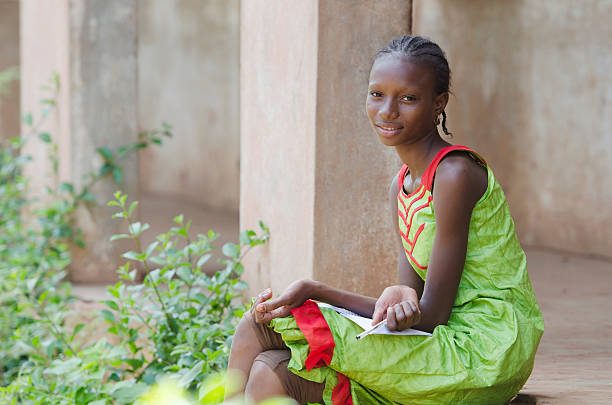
313,325
341,395
400,177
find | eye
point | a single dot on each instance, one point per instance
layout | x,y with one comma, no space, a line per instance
408,98
375,93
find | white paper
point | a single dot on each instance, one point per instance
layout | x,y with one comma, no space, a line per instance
366,323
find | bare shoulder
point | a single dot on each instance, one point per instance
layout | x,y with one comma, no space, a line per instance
459,174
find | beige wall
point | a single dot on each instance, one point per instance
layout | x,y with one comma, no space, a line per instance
188,76
9,57
533,93
311,167
92,46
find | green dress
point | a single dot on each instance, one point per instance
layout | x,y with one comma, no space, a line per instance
483,355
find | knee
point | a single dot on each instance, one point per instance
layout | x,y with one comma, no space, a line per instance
245,331
263,382
261,373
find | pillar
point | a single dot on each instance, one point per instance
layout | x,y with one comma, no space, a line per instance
92,46
9,58
311,167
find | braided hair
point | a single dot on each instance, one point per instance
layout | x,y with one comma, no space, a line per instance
422,50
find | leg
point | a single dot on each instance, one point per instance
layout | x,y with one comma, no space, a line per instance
251,339
270,377
263,383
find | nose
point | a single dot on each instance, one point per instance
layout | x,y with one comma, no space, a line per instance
389,109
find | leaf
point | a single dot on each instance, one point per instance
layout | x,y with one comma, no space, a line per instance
77,329
27,119
45,137
231,250
184,273
127,394
59,367
178,219
111,304
131,255
122,151
88,197
106,154
151,248
118,174
66,187
119,236
192,374
132,206
202,260
107,315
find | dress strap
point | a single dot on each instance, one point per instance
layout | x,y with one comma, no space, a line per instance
400,177
429,174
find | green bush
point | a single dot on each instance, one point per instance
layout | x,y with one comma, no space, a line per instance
178,320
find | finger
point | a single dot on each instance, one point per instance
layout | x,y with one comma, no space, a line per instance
417,313
272,304
379,314
276,313
391,321
400,316
409,312
263,296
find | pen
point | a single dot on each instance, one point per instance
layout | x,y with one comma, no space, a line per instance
367,332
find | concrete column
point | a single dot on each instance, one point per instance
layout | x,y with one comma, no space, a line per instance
311,167
92,45
9,58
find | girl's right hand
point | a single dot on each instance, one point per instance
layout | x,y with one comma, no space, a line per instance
266,309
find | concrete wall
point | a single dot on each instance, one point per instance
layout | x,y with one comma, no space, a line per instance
92,46
9,57
188,76
311,166
533,93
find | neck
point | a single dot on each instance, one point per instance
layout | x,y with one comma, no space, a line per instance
419,154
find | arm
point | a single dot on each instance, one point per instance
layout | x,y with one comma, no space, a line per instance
459,184
299,291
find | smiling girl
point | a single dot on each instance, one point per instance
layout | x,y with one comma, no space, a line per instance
462,275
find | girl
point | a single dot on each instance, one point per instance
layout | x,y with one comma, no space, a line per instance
462,275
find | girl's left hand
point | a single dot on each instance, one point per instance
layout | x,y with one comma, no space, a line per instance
400,305
295,295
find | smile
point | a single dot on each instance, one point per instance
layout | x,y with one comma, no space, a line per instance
388,131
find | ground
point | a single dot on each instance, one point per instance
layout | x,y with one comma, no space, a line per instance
573,365
574,361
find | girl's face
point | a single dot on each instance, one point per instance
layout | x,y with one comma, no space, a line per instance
401,102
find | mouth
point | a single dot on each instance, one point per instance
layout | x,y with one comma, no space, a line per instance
388,130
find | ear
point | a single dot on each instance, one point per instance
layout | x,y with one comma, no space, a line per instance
440,101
